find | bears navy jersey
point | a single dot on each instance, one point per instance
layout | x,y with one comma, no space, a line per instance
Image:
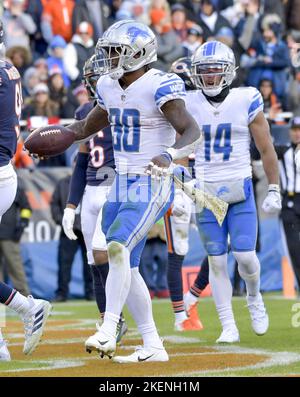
10,110
101,158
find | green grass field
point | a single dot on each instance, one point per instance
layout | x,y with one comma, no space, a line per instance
61,352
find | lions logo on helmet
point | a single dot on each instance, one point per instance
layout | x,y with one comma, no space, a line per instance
182,67
213,67
125,47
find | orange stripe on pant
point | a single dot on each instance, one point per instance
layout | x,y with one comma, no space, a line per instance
169,230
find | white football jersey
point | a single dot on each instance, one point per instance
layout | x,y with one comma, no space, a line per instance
224,153
140,130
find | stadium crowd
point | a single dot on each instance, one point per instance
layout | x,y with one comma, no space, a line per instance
48,41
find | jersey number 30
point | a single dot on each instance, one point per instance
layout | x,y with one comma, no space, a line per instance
126,128
222,143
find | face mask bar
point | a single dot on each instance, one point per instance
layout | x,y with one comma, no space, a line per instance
110,57
211,76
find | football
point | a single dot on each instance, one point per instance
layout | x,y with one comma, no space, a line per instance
49,141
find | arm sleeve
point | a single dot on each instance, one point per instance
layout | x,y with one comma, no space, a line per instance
256,106
170,88
78,180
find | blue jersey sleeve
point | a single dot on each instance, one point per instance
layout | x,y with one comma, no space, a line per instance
256,106
171,87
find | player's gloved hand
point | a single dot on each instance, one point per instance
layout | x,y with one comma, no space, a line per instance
297,160
158,165
180,206
68,223
272,203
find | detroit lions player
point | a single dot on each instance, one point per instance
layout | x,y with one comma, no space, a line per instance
144,108
34,312
229,117
91,181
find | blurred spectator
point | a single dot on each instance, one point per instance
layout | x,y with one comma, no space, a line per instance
95,12
193,41
17,25
55,60
67,248
57,19
12,226
293,17
78,96
134,9
20,57
30,80
294,77
78,51
39,44
210,20
179,21
169,47
58,92
40,104
271,104
41,66
226,36
81,95
270,58
154,259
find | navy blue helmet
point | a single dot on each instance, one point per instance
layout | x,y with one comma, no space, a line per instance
182,67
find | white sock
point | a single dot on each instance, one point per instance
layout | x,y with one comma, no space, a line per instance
117,285
140,307
221,289
180,317
19,304
190,299
249,270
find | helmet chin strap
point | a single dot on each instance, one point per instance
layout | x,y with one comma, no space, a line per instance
212,92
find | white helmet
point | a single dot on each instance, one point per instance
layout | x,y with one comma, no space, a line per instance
213,67
125,47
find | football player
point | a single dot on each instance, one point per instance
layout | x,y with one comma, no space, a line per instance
177,225
91,181
34,312
144,108
229,117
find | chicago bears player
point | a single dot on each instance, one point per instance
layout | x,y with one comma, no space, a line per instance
229,117
144,108
91,181
177,225
34,312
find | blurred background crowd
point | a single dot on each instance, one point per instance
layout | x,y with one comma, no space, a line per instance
49,41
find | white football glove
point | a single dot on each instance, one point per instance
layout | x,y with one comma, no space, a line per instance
68,223
181,205
297,160
272,203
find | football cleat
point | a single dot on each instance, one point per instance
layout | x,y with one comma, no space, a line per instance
121,329
102,343
187,325
194,316
142,355
229,335
258,314
4,353
34,323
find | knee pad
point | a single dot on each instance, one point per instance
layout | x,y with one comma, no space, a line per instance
118,254
248,264
215,248
243,242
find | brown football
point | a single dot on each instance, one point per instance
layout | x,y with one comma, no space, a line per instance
49,141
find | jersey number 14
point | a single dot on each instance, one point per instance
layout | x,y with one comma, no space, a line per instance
222,143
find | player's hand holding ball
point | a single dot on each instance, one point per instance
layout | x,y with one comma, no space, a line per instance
272,203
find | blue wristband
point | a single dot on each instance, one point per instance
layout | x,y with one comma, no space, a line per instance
168,156
78,180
